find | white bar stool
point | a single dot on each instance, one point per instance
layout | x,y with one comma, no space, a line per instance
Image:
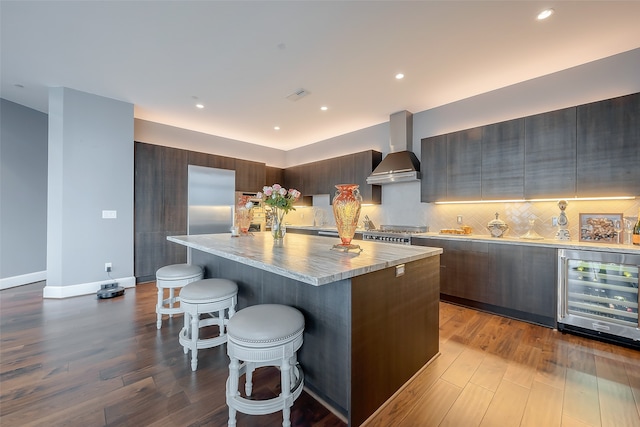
264,335
172,277
207,296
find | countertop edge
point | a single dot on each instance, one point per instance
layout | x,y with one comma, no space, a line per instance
557,244
317,280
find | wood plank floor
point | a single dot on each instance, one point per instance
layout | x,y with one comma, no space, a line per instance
494,371
88,362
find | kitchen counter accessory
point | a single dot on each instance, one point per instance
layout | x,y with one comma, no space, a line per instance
368,224
531,234
497,227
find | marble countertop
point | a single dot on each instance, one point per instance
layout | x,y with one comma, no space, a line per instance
508,240
552,243
305,258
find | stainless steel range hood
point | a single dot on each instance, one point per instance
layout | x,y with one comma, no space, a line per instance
400,165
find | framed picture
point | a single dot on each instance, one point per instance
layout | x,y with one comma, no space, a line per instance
600,227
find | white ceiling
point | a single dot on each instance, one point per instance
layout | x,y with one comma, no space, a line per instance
242,59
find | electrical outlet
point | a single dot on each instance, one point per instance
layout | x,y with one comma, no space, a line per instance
459,219
107,267
554,221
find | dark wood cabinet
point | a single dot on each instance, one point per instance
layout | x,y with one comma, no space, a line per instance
404,310
160,205
608,147
273,176
591,150
361,165
463,268
518,281
250,176
464,164
211,161
550,154
433,163
321,177
503,160
175,189
161,200
293,178
525,277
148,188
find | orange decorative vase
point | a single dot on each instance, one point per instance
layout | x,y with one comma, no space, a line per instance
244,214
346,210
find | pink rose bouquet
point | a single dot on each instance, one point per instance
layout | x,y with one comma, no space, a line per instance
278,197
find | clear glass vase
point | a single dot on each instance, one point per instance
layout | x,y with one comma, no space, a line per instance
278,229
346,210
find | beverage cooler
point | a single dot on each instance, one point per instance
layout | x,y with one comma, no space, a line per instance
598,295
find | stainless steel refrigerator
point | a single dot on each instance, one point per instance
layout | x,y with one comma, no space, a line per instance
211,200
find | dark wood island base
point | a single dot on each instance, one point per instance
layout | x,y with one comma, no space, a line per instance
365,336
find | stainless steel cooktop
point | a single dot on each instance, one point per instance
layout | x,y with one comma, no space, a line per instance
394,233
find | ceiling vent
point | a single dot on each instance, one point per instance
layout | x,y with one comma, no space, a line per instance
298,94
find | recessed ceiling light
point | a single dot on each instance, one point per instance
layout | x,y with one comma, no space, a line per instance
545,14
276,128
399,76
324,108
199,106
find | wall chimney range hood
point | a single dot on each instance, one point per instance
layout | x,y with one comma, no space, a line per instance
401,164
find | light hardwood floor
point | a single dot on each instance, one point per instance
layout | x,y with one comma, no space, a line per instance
495,371
87,362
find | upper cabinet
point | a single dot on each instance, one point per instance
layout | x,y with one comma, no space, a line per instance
464,167
451,166
503,160
609,147
250,176
321,177
433,163
480,163
273,176
550,154
591,150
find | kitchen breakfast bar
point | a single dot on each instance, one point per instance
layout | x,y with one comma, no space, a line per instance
371,317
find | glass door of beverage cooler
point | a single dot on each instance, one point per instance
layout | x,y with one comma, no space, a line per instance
599,291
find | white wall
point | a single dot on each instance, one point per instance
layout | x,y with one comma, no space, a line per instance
90,170
23,195
374,137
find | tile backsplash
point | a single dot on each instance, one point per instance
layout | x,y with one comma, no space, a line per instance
476,215
517,215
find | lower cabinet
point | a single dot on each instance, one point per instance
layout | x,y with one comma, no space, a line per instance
517,281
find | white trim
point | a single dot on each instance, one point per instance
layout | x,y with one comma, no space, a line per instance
24,279
84,288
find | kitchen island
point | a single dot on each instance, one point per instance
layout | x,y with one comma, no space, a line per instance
371,318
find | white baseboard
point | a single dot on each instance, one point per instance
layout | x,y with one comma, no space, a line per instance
85,288
24,279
